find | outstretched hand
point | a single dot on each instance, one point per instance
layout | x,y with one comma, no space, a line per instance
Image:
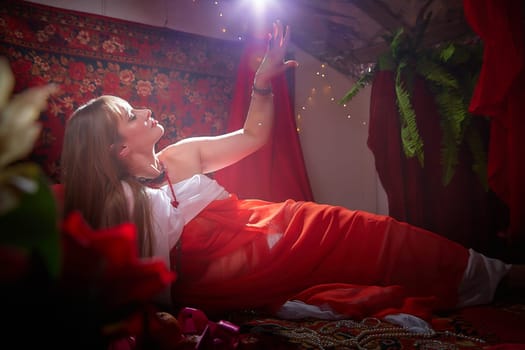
273,62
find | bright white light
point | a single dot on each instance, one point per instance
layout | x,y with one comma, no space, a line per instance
259,14
259,5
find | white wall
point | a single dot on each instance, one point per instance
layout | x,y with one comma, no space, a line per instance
333,137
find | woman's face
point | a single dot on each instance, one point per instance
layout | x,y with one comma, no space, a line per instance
137,127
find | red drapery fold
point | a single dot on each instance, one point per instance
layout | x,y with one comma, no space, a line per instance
461,211
359,263
277,171
500,95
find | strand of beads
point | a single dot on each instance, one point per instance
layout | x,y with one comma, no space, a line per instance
307,336
462,336
323,338
331,328
367,336
434,344
370,330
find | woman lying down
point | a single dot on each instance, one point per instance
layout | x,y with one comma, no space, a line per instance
232,254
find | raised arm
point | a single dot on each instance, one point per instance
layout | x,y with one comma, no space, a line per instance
216,152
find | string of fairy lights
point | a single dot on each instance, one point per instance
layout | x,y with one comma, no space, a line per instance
223,28
322,93
326,92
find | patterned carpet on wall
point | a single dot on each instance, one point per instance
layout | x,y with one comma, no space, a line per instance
186,80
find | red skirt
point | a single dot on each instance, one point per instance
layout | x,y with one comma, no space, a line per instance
359,263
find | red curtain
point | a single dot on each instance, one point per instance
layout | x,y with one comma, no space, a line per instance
500,95
462,211
277,171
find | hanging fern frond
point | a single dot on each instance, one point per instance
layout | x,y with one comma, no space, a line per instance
412,142
435,73
447,52
450,72
449,153
471,56
363,81
454,113
453,121
396,44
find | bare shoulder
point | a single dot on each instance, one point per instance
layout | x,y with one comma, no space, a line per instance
181,159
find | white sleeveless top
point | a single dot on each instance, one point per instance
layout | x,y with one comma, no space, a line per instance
193,195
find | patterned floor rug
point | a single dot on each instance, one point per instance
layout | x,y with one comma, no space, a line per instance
498,326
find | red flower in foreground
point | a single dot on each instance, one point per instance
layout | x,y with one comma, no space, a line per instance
103,270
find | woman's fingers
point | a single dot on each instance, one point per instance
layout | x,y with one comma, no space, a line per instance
278,41
273,62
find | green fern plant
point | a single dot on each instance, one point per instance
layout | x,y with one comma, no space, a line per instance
450,71
412,142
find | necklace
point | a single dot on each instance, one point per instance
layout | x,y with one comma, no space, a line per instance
157,181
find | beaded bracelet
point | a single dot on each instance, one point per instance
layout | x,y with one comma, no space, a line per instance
262,92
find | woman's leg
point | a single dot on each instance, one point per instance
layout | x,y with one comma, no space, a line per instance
481,279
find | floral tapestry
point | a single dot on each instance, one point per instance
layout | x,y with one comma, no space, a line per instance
185,79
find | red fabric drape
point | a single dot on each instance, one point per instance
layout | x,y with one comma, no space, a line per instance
359,263
461,211
277,171
500,95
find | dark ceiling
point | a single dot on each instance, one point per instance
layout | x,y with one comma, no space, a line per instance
348,35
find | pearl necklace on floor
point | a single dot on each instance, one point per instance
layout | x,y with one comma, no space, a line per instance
324,338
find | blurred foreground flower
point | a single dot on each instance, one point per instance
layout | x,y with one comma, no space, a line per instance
103,272
62,284
103,292
27,210
18,127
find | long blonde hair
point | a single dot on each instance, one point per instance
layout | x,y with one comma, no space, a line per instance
92,172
